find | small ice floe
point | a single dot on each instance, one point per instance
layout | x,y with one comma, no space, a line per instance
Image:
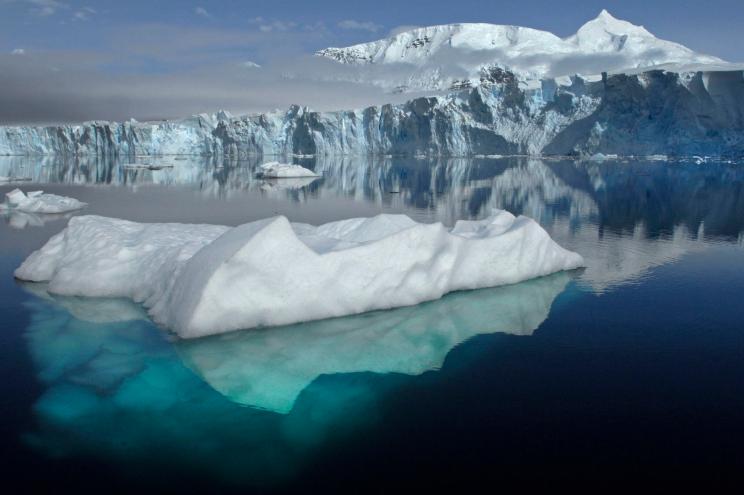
201,280
146,166
600,157
6,179
276,170
657,158
38,202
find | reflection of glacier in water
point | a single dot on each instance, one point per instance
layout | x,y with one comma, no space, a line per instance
624,217
116,386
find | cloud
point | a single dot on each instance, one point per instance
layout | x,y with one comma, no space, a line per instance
350,24
83,14
46,8
18,51
202,12
156,71
402,29
280,26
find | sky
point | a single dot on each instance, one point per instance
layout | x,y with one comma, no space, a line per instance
70,60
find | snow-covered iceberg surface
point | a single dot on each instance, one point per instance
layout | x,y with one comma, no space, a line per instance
276,170
200,280
38,202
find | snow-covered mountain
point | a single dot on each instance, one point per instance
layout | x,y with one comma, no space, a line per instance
458,55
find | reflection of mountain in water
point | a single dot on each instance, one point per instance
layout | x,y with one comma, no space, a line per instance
624,217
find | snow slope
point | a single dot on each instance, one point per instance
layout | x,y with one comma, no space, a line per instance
454,55
202,280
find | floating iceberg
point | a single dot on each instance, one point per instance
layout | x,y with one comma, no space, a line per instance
200,280
38,202
276,170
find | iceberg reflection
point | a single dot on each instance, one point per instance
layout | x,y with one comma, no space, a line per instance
269,368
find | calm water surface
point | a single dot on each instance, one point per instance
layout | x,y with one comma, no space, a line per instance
630,368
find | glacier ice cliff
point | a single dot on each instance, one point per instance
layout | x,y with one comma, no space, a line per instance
653,112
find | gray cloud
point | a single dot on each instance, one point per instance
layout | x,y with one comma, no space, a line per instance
57,87
46,7
202,12
352,25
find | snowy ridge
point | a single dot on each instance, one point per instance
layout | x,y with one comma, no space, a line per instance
202,280
453,55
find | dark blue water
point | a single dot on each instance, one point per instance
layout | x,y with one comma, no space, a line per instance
630,368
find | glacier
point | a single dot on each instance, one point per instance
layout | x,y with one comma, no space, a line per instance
657,112
199,280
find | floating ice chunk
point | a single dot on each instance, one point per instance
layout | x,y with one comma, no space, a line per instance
202,280
657,158
276,170
38,202
145,166
600,157
4,178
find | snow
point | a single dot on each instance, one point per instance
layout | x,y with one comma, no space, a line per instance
200,280
276,170
38,202
438,56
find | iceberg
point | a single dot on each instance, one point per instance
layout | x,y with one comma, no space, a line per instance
276,170
199,280
38,202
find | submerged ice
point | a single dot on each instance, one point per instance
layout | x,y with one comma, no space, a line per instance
199,280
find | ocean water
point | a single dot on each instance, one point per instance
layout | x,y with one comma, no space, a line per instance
630,368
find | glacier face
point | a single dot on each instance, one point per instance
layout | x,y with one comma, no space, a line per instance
654,112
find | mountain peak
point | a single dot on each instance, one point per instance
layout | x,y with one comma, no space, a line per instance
445,55
606,16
